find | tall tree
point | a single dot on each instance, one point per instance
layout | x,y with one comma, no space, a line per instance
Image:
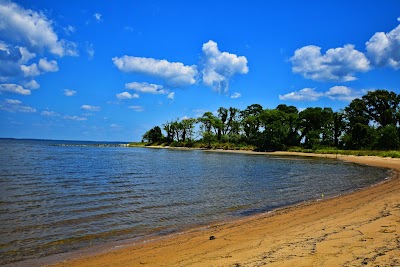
292,120
170,132
154,135
356,112
251,122
188,127
382,106
275,130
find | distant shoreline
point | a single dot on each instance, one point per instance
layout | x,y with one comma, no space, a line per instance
300,235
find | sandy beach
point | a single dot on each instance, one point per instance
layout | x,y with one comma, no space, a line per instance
357,229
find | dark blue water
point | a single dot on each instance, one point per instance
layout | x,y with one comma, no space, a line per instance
58,199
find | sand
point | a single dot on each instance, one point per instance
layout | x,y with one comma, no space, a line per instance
357,229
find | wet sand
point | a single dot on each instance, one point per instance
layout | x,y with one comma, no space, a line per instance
357,229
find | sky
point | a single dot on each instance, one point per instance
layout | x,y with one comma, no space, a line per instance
111,70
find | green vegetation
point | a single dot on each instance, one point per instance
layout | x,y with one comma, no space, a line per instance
367,126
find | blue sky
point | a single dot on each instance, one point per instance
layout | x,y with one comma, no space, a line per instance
110,70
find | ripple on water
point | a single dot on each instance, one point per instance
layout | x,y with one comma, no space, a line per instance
57,199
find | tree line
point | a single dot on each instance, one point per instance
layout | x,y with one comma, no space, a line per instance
369,122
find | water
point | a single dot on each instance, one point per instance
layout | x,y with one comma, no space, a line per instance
57,199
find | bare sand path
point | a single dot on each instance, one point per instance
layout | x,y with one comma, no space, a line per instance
358,229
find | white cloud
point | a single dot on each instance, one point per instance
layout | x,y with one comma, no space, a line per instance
32,85
126,95
31,29
128,28
383,49
90,51
219,66
49,113
174,73
75,118
306,94
68,92
171,96
69,29
97,16
48,66
13,101
341,93
31,70
137,108
14,88
115,125
13,106
146,88
236,95
25,54
337,64
90,108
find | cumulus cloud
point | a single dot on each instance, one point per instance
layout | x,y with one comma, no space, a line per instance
48,66
220,67
306,94
174,73
69,92
171,96
31,70
137,108
341,93
90,108
12,105
146,88
383,49
31,29
126,95
32,85
14,88
11,58
337,64
236,95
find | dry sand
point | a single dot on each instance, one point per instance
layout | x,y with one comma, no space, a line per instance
358,229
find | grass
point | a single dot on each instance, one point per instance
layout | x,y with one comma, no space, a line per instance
232,146
378,153
213,145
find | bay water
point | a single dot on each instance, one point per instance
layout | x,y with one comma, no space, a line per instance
56,199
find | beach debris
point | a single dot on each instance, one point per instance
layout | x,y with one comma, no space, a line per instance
212,237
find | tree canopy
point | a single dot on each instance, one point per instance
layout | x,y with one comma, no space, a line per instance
369,122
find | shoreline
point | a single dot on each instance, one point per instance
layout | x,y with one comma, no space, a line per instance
224,251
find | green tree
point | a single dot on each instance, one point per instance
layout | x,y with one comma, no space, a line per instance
154,135
338,127
388,138
292,121
169,130
314,125
188,128
275,130
360,137
250,118
382,106
211,125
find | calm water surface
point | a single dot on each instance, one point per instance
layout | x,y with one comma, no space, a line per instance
57,199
